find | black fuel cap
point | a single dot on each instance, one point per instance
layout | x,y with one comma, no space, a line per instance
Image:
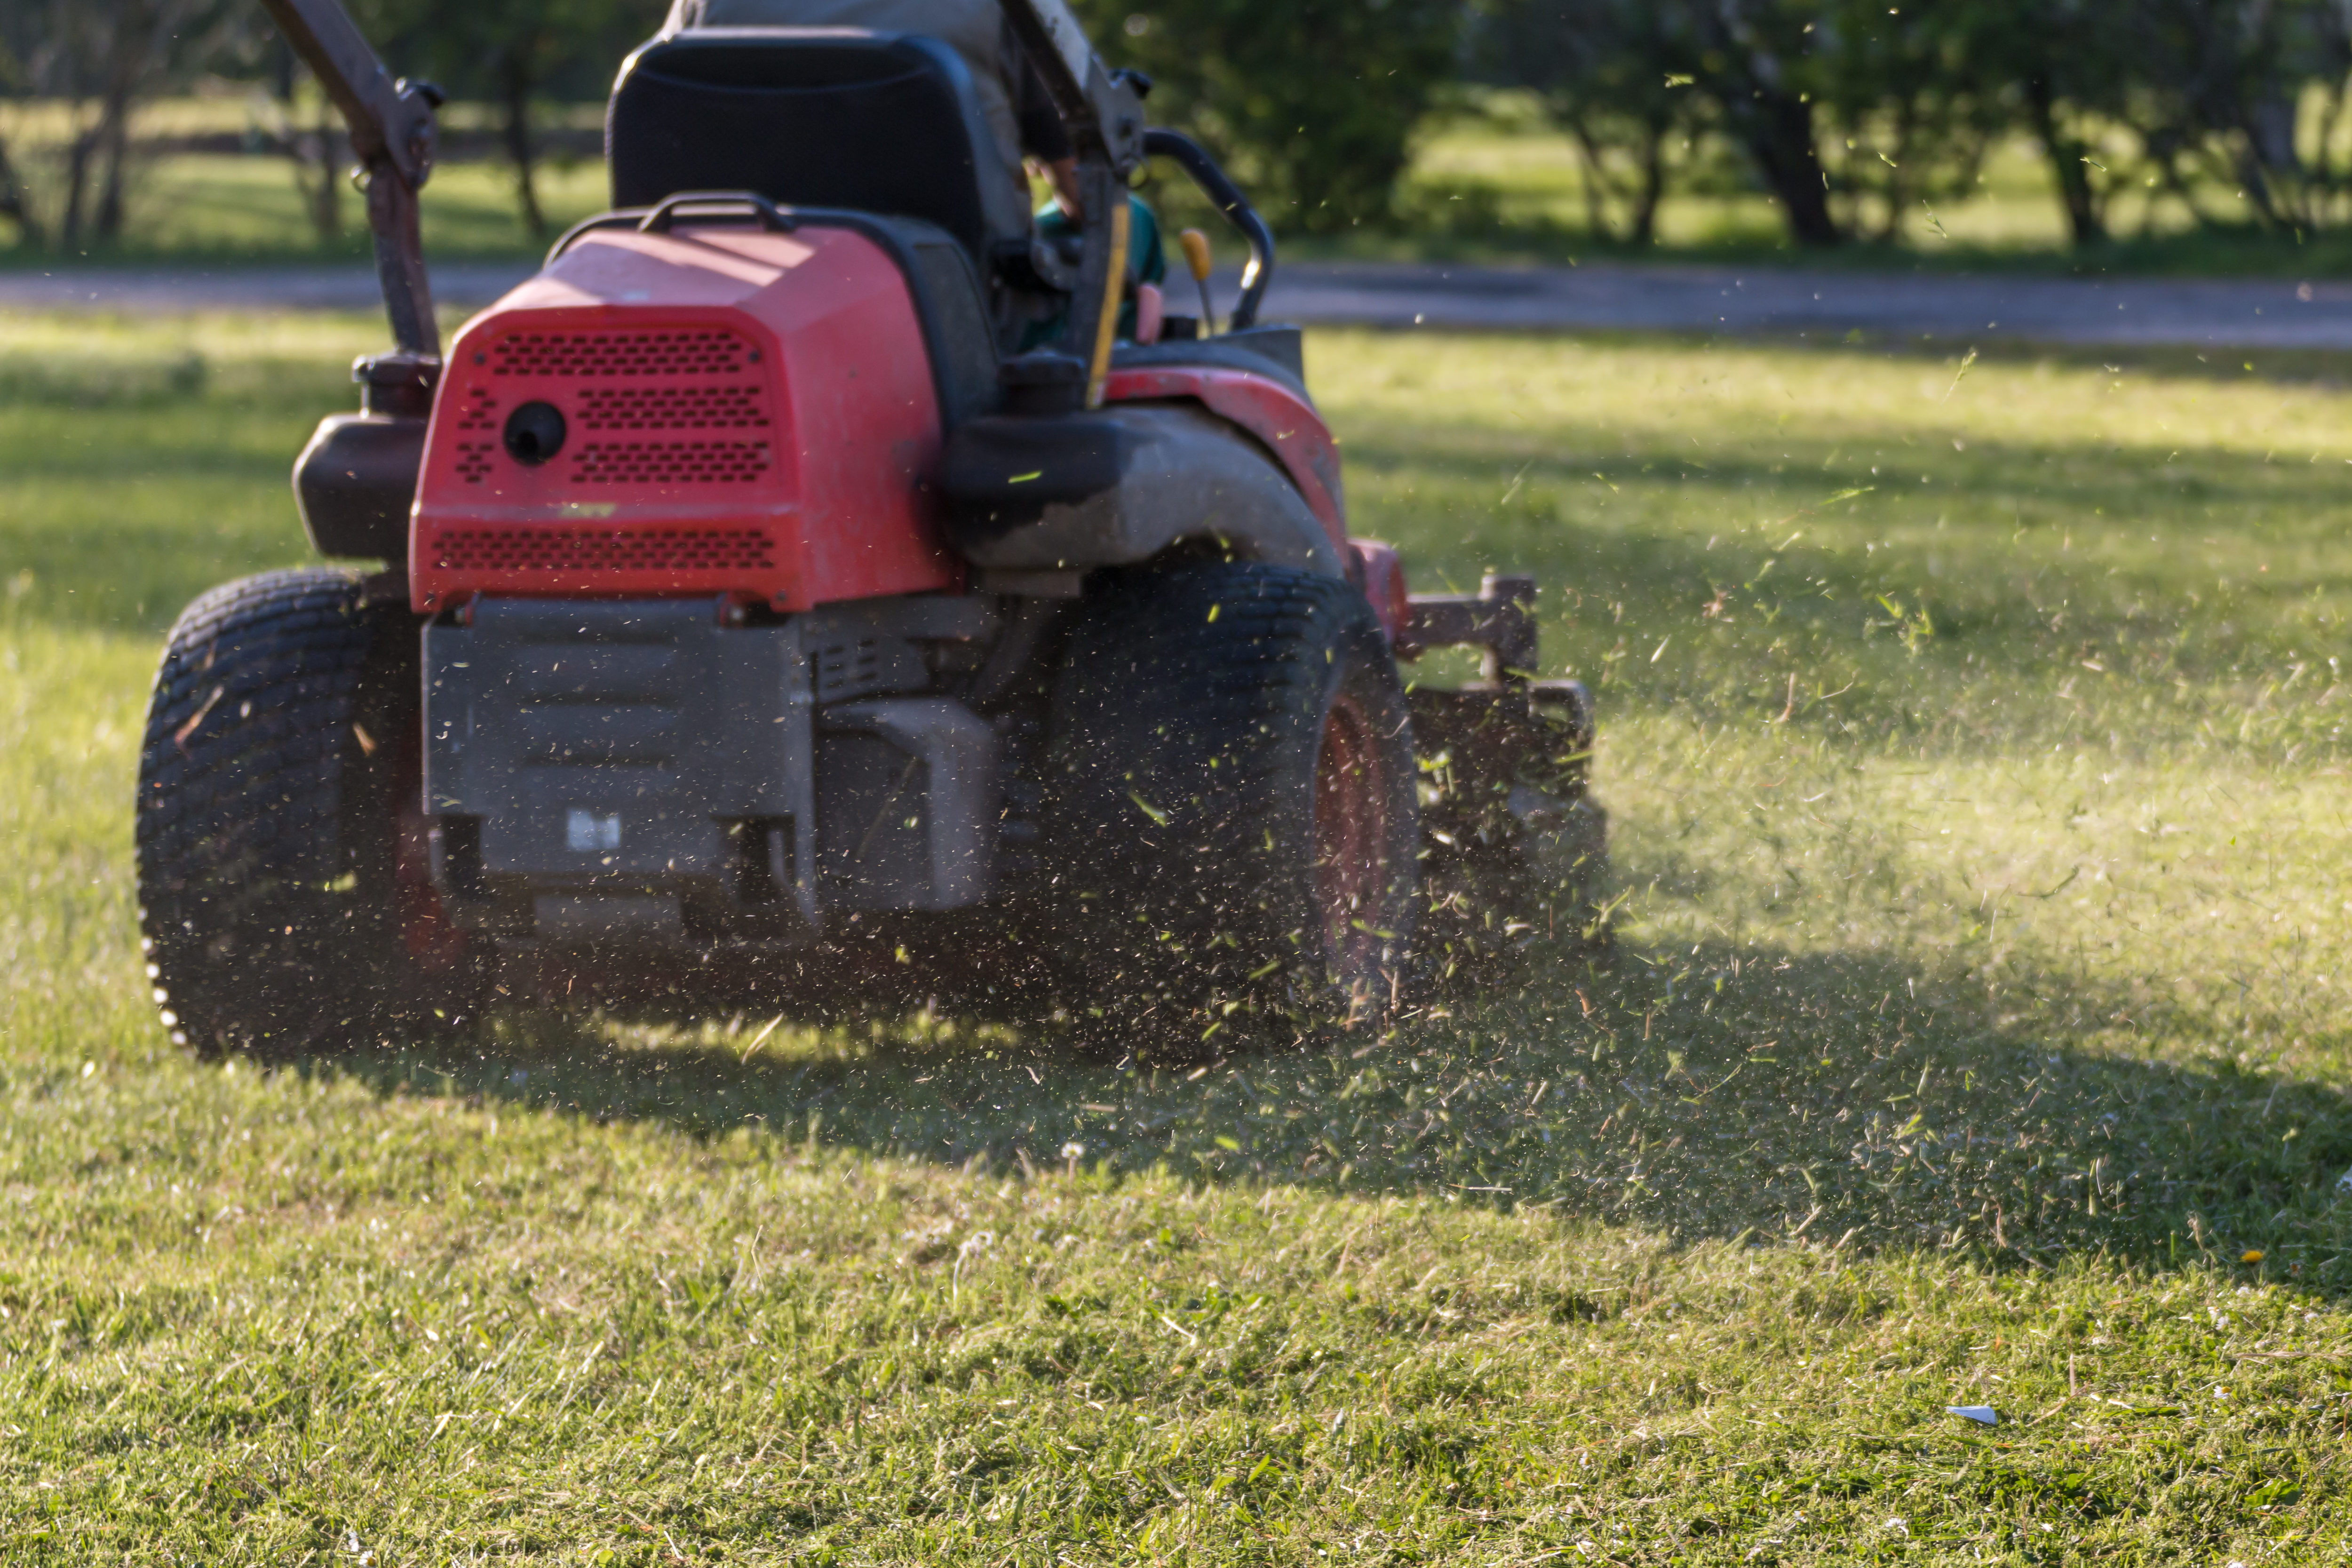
534,433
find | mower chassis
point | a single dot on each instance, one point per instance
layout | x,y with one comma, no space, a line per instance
682,772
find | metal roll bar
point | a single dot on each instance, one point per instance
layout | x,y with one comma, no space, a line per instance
1215,185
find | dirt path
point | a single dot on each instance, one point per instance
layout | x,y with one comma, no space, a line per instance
2238,314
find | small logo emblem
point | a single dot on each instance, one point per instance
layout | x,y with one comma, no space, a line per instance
588,831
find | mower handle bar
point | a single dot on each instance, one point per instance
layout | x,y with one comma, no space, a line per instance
662,218
664,213
392,133
1219,187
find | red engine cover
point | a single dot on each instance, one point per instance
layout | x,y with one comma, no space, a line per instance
745,413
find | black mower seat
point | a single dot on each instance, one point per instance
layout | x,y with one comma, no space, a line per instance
825,116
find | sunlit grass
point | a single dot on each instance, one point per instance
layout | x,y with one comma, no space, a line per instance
1972,749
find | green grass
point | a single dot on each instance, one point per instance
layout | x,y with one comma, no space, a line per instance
1974,751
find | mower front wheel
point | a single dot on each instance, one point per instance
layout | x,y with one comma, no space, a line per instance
285,901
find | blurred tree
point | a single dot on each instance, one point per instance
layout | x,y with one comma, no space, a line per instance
1311,102
16,200
1756,60
2320,51
98,62
1914,96
308,130
2066,68
1615,75
2214,93
514,54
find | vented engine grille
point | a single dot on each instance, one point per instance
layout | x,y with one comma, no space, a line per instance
622,393
539,548
659,407
715,352
670,463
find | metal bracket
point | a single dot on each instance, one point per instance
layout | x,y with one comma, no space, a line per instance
1499,618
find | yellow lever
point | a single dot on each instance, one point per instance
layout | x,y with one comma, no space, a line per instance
1196,252
1197,258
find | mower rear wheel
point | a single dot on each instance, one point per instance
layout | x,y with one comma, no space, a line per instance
284,903
1230,801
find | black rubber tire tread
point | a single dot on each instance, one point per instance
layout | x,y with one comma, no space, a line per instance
263,839
1180,787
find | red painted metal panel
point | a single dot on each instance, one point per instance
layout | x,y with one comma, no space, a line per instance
746,412
1376,569
1278,417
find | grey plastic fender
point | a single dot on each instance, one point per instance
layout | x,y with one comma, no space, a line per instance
1113,487
354,482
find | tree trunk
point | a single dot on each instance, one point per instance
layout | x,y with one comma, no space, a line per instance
2254,176
1652,189
142,30
78,152
114,150
2321,178
1596,191
1779,133
1895,185
132,50
515,82
315,149
2067,154
313,155
15,202
1897,197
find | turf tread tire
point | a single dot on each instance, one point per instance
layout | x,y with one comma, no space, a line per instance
1180,791
263,836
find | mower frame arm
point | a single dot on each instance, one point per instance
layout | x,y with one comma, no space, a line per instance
393,132
1103,113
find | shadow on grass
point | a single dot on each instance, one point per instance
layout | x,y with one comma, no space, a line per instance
1737,1094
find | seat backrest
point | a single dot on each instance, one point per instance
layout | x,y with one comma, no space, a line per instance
834,117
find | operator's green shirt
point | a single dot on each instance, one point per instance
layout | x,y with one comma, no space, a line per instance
1147,257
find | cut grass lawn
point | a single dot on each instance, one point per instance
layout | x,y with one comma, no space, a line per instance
1972,738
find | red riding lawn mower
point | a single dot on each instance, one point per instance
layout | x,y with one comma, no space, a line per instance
760,618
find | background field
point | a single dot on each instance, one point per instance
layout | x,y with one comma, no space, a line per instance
1488,180
1972,731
